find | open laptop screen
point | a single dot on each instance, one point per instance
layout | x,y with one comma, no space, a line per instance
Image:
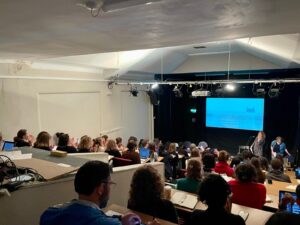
295,208
8,145
144,153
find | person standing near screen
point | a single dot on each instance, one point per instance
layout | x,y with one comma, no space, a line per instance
258,144
278,148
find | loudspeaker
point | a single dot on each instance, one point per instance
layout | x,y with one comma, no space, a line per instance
153,97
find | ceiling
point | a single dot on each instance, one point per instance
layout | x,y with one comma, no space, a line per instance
39,29
160,38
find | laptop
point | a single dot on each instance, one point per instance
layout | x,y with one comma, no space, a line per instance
144,153
295,208
8,146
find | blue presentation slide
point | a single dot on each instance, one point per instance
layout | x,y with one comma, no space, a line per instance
235,113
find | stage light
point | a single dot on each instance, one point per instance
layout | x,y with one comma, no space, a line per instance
274,91
230,87
153,86
259,91
177,92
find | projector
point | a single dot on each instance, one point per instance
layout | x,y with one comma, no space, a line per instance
200,93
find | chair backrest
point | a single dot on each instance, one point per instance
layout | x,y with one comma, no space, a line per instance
121,162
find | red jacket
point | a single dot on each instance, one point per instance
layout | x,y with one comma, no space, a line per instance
248,194
223,167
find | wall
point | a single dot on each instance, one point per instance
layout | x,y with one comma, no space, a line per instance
73,106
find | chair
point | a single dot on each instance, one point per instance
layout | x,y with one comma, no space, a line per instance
117,161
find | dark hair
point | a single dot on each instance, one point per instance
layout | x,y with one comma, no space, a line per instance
264,163
245,173
209,162
144,142
283,218
105,137
132,138
214,190
131,146
91,175
42,140
195,153
246,154
20,135
63,139
256,163
276,164
146,187
235,161
118,140
151,147
298,191
194,169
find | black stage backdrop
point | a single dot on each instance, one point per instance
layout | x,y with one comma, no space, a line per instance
174,121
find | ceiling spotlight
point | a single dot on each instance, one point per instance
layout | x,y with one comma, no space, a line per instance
155,85
259,91
133,91
177,92
230,87
274,91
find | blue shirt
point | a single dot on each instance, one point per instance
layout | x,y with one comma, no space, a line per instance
77,212
279,149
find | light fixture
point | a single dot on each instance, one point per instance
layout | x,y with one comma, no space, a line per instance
133,91
230,87
274,91
155,85
177,92
259,91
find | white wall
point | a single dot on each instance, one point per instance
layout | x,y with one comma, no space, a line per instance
76,107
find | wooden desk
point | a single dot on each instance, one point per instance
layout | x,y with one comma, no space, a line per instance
145,218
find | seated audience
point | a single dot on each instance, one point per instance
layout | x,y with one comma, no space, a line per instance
215,193
85,144
244,188
98,145
247,155
276,172
236,161
23,138
202,146
120,146
146,195
260,175
264,164
111,148
105,140
66,144
131,153
209,163
43,141
153,153
144,150
92,184
195,155
133,139
222,166
283,218
193,177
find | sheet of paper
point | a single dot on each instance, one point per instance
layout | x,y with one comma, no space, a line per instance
16,155
184,199
63,165
113,213
292,187
268,199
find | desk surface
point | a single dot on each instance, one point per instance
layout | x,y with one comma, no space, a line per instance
145,218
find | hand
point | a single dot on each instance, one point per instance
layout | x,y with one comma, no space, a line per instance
287,198
131,219
153,222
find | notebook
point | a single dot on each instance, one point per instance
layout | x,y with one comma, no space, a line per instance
295,208
185,200
8,146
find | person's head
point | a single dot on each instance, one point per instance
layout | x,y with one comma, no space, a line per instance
85,142
111,145
264,163
283,218
105,137
261,135
22,134
133,138
156,141
146,187
245,173
194,169
193,146
195,153
172,148
276,164
131,146
92,182
223,156
235,161
118,140
214,191
256,163
202,145
209,162
151,146
63,140
246,155
279,140
144,143
42,140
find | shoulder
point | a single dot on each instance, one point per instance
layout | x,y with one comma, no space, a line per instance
236,219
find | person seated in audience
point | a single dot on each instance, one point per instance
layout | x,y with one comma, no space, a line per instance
105,140
236,161
92,184
146,195
67,144
202,146
209,163
215,193
278,148
171,161
43,141
222,166
98,145
193,177
153,154
264,164
247,155
283,218
23,138
85,144
131,153
133,139
260,175
244,188
111,148
120,146
157,143
144,150
276,173
195,155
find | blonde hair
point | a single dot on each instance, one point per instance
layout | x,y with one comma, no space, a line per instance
85,142
111,145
